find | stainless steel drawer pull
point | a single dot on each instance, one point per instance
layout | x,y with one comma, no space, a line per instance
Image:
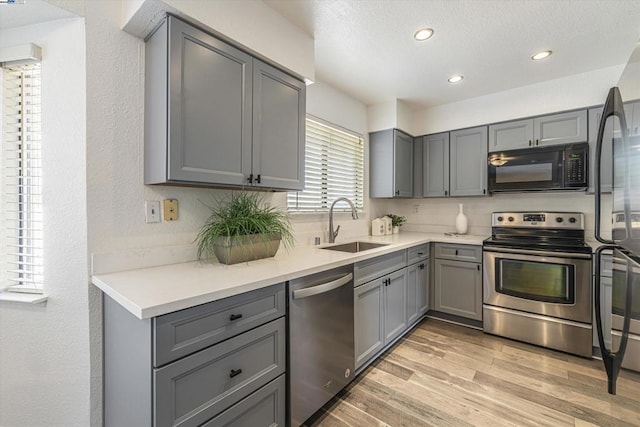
420,253
235,317
235,372
321,289
456,252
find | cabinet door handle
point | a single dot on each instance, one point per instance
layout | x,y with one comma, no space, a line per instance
258,179
397,192
250,179
421,266
530,143
235,316
478,267
235,372
445,192
537,142
456,252
484,191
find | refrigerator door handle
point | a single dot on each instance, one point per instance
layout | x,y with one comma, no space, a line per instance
612,108
612,360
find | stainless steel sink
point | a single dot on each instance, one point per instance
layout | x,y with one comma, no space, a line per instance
354,247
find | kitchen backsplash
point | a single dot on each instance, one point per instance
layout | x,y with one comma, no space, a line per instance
438,214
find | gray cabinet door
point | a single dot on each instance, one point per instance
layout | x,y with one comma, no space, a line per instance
606,173
458,288
395,304
562,128
417,291
390,164
209,108
469,162
435,165
368,322
264,408
403,164
278,128
511,135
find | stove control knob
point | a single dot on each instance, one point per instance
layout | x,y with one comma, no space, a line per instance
559,219
572,220
500,219
511,219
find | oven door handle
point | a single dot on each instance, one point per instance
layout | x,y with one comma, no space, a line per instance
538,253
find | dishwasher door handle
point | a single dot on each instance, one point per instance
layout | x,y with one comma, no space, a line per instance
321,289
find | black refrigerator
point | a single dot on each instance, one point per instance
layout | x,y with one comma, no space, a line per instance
617,261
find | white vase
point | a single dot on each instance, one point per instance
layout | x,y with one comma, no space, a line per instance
461,221
396,229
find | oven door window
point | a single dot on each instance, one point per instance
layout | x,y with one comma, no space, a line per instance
539,281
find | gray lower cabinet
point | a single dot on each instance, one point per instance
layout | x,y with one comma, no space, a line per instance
197,365
390,164
552,129
606,173
417,291
458,280
368,321
380,314
468,162
216,116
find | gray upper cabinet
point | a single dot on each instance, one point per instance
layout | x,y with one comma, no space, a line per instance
278,128
511,135
390,164
435,165
552,129
632,114
468,151
595,114
561,128
214,115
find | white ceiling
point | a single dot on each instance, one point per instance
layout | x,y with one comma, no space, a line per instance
365,47
29,12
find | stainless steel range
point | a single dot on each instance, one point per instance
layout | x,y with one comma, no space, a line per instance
537,280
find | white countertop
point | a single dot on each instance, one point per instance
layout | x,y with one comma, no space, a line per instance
150,292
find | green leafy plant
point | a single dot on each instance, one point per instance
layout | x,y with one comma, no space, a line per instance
242,214
397,220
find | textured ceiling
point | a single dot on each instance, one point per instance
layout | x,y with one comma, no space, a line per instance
366,49
29,12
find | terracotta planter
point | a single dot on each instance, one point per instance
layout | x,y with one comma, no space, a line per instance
232,250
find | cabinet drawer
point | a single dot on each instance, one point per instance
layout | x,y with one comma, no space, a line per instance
194,389
264,408
417,253
470,253
187,331
370,269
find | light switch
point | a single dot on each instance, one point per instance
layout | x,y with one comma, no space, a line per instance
170,212
152,211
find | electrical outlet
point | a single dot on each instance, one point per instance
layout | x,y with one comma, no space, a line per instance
416,208
152,211
170,209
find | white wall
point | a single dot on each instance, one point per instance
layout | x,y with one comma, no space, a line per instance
438,214
44,349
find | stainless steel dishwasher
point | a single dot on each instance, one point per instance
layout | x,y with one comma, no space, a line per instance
321,340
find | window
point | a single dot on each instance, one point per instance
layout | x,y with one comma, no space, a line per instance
21,179
334,168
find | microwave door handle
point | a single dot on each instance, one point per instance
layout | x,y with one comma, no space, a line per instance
612,108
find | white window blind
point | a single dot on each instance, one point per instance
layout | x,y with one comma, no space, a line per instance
22,179
334,168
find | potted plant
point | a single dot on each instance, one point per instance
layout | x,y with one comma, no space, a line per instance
241,229
396,222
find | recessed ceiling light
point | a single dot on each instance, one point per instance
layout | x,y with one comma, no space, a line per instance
423,34
541,55
456,78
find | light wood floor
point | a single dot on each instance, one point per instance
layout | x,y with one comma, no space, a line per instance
447,375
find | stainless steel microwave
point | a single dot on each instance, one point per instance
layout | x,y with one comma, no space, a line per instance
556,167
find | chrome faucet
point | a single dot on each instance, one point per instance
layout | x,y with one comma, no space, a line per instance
354,215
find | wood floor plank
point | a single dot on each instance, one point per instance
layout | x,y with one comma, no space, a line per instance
442,374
